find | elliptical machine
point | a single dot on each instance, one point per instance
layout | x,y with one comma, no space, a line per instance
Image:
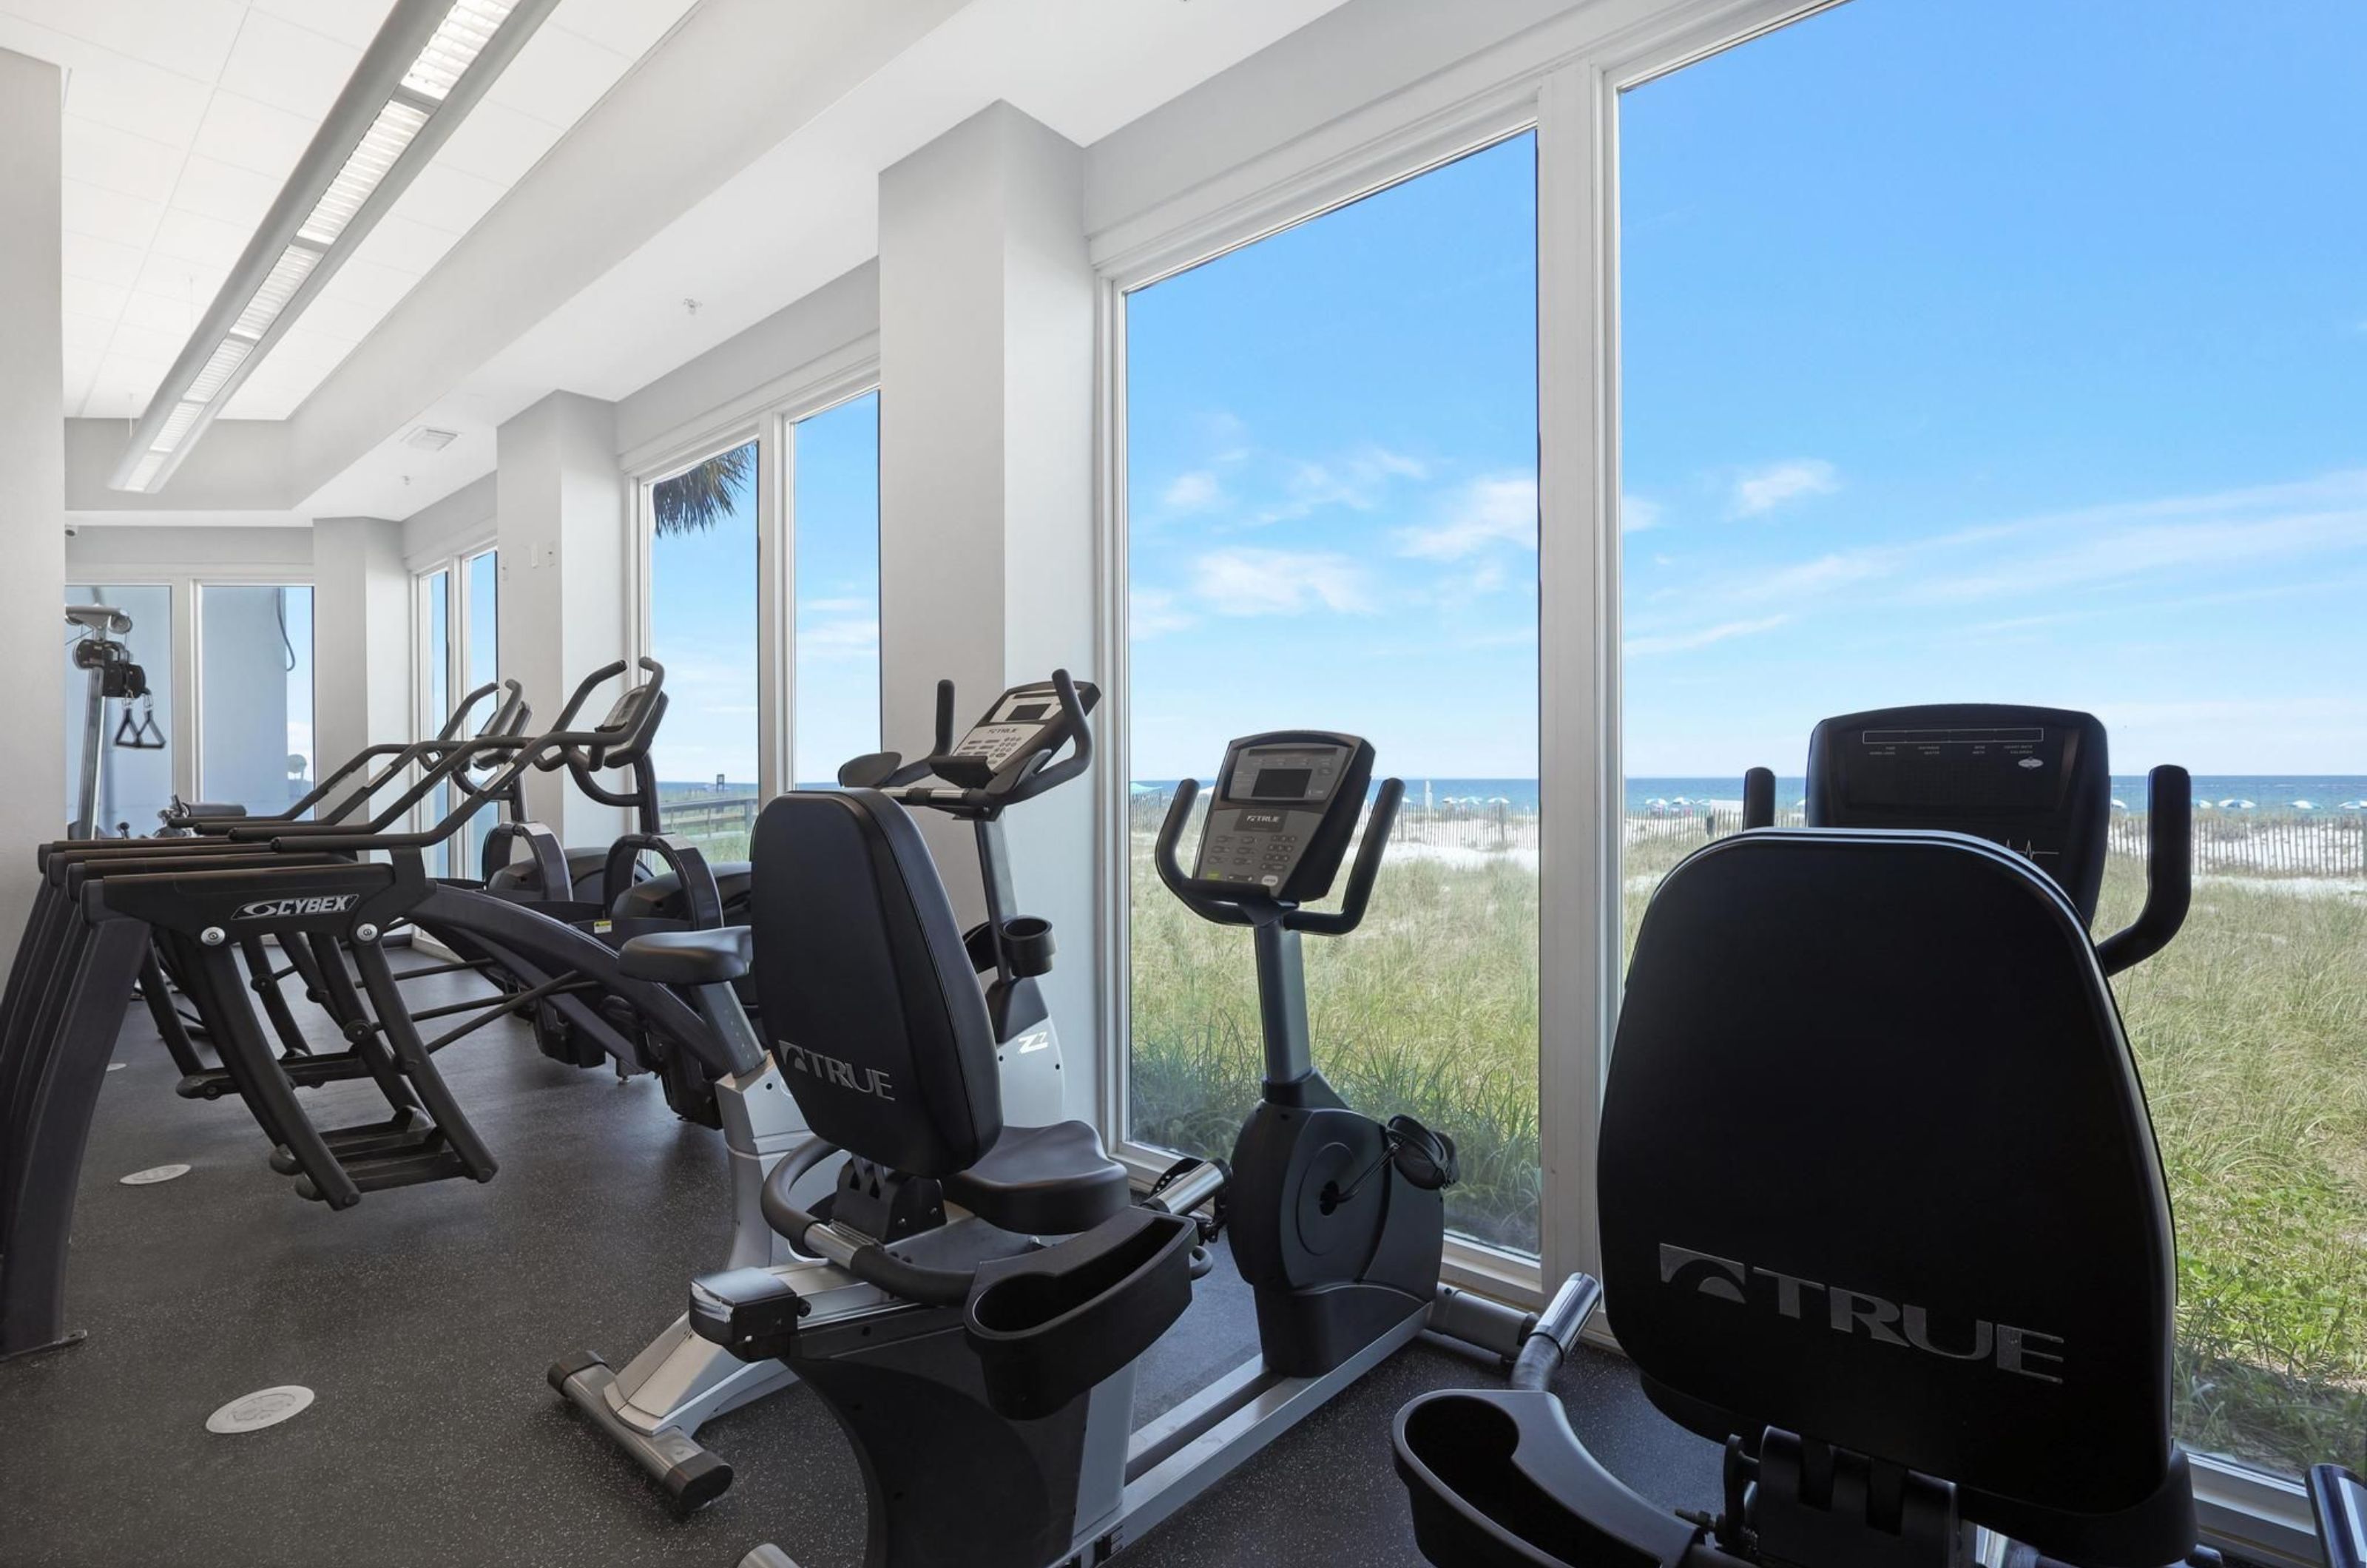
655,1405
972,1362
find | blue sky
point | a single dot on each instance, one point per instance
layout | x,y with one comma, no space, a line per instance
702,615
2013,351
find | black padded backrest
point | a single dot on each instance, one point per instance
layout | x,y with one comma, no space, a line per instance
1876,1169
864,987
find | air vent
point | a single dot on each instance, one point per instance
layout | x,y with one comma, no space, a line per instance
427,439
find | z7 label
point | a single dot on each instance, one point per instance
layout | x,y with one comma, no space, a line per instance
293,908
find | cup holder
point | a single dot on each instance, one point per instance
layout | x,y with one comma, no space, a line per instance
1027,944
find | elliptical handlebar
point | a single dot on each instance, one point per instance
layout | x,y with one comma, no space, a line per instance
585,750
2170,871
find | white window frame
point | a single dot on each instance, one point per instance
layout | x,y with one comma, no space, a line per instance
454,561
1562,78
767,415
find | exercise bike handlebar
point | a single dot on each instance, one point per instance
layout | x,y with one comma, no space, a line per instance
1256,907
2169,873
902,781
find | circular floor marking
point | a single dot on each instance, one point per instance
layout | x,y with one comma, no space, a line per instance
154,1174
265,1408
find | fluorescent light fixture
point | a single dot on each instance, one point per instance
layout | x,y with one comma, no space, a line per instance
227,356
368,164
430,62
459,38
279,285
176,424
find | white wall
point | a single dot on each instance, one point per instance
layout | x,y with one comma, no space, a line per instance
564,543
362,621
32,463
170,551
986,517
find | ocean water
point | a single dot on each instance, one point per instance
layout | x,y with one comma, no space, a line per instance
2266,792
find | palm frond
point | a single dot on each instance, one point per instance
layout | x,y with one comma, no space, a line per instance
705,493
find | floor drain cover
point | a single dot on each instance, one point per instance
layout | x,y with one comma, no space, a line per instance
154,1174
265,1407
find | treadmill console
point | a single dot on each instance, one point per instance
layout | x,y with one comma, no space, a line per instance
2035,780
1284,806
1024,722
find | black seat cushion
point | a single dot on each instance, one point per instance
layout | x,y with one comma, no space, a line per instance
1054,1181
866,991
1876,1169
688,958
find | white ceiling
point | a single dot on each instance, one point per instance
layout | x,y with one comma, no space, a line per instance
183,118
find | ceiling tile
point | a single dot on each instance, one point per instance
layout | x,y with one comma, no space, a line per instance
369,282
212,188
498,142
111,89
448,199
82,365
122,387
354,22
406,245
109,214
103,302
86,335
160,313
237,130
558,75
173,279
628,27
192,237
191,38
289,67
146,344
118,160
101,261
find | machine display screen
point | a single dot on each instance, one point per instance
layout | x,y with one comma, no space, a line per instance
1026,713
1281,783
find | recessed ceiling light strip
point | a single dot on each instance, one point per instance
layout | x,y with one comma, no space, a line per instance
430,62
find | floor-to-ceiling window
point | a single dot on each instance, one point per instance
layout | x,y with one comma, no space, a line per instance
479,624
132,780
834,524
703,620
2002,350
435,686
1331,524
255,693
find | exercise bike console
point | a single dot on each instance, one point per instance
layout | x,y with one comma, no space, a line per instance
1285,806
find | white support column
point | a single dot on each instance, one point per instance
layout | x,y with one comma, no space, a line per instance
986,349
32,468
563,537
361,637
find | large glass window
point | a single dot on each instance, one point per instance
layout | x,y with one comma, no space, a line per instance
703,628
435,693
133,778
255,693
480,601
1960,369
835,517
1331,507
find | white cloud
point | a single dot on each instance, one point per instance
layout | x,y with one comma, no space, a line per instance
1153,611
1684,642
850,638
1196,491
1279,582
1355,481
1638,515
1490,512
1759,490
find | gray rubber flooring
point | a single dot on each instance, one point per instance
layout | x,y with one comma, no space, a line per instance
423,1319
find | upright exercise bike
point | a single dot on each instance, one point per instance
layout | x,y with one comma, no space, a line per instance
655,1405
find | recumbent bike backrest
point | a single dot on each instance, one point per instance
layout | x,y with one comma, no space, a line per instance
864,986
1876,1169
